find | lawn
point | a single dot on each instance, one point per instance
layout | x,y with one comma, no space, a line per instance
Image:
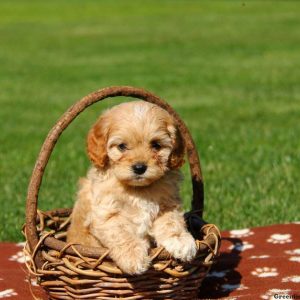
230,68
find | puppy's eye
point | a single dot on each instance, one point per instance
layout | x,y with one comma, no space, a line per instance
155,145
122,147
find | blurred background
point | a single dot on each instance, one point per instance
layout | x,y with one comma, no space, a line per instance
230,68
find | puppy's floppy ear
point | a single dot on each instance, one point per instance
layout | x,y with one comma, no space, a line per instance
176,159
96,143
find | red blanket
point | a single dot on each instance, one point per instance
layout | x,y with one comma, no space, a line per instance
256,263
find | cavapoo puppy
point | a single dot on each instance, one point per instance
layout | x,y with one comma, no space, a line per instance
130,195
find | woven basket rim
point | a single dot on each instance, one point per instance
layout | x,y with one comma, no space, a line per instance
210,231
208,248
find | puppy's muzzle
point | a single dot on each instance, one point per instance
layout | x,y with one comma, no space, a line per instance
139,168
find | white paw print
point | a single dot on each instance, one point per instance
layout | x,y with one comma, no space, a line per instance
241,246
32,281
265,272
295,279
20,257
231,287
279,238
295,258
259,256
295,252
241,233
7,293
270,294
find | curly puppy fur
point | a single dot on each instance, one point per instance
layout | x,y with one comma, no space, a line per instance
130,196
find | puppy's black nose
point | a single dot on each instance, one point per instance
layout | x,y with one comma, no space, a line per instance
139,168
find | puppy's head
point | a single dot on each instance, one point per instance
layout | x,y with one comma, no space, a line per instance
138,141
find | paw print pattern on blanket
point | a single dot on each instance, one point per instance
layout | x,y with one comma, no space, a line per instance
279,238
265,272
253,266
7,293
259,256
32,281
20,257
293,252
241,233
295,255
295,279
241,246
295,258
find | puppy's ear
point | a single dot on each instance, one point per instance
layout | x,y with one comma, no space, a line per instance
96,143
176,159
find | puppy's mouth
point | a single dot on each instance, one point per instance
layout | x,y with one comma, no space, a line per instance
139,179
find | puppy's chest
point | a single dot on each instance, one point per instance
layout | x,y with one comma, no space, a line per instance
142,212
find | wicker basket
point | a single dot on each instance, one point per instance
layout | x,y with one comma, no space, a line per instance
68,271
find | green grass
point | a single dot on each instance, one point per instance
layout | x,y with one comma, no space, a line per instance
230,69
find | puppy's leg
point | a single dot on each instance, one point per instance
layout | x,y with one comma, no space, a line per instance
169,230
118,234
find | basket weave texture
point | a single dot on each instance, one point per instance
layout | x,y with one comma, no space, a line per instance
68,271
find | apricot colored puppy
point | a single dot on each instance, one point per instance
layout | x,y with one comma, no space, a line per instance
130,195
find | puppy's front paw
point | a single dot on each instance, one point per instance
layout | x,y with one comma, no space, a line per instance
133,261
182,247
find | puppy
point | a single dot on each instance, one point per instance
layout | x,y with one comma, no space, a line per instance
130,196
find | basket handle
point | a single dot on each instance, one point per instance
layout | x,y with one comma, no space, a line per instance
70,115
